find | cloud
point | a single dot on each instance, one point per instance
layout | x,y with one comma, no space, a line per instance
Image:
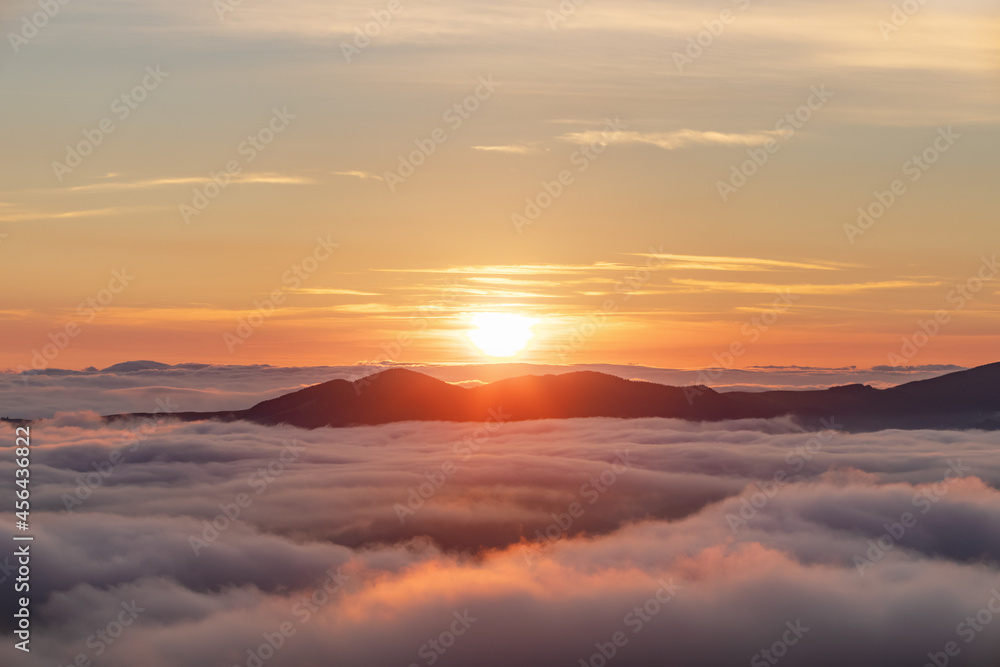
472,547
738,263
151,183
514,149
518,269
273,179
85,213
363,175
139,184
330,291
673,140
924,367
762,288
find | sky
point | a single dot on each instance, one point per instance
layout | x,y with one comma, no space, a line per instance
674,184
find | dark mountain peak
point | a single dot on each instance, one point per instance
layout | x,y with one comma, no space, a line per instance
576,379
402,384
140,365
398,377
985,378
974,392
852,388
596,379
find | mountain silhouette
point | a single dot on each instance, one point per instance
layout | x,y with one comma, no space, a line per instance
961,400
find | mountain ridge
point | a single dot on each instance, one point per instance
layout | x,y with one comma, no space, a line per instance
960,400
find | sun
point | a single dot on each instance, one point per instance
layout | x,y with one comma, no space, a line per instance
501,334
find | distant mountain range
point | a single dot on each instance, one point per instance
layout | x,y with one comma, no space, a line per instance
968,399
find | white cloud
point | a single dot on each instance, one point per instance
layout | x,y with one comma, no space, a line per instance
666,518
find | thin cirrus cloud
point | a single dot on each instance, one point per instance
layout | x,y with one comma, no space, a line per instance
832,289
331,291
519,269
148,184
499,280
144,184
739,263
841,33
511,149
66,215
363,175
673,140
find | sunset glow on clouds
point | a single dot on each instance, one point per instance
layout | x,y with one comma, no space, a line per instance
694,507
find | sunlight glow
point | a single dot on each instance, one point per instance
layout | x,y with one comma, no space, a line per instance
501,334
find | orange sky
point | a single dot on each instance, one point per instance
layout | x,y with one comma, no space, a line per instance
478,158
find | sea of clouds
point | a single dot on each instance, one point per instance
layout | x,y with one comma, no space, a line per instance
573,542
